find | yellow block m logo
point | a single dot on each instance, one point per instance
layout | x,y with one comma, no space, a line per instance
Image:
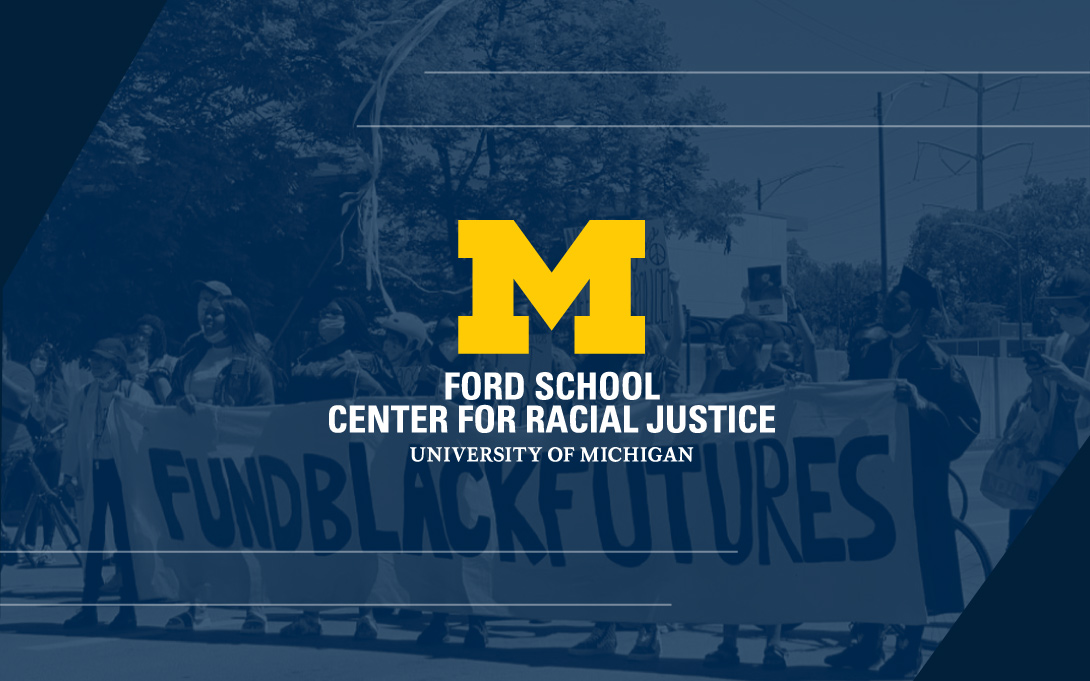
602,255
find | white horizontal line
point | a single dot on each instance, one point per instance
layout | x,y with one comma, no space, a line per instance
728,126
404,552
756,73
342,605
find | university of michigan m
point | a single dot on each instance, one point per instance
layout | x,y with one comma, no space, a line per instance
601,254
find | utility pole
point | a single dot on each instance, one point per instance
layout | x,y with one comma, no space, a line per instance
882,200
979,157
882,176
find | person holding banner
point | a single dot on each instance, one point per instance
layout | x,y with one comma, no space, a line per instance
742,337
345,362
944,419
225,367
88,459
343,365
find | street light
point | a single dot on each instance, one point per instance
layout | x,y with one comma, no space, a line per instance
762,198
1006,237
882,176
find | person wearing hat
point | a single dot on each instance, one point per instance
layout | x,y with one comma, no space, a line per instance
224,367
206,292
90,449
1059,388
944,419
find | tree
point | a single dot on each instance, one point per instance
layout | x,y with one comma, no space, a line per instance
836,298
226,149
977,267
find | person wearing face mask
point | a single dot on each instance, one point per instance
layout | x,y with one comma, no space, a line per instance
225,367
944,419
90,449
47,413
344,365
1059,388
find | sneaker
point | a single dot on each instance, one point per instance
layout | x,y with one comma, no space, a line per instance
86,618
860,655
723,657
602,641
125,620
647,648
903,664
435,634
303,626
775,658
186,621
476,636
256,625
366,629
45,556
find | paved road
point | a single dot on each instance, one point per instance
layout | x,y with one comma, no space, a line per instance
33,645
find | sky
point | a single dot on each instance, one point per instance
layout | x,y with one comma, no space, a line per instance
841,204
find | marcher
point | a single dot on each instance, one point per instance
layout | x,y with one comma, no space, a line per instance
18,395
1059,388
343,365
796,351
46,421
206,291
151,332
89,460
742,337
944,419
224,368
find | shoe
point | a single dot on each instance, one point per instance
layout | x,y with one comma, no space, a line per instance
185,621
45,556
256,625
86,618
435,633
860,655
723,657
903,664
304,625
775,658
602,641
476,636
647,648
366,629
125,620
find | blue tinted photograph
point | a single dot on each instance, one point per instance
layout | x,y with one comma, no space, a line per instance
547,339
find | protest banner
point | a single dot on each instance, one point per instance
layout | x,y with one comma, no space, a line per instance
813,523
